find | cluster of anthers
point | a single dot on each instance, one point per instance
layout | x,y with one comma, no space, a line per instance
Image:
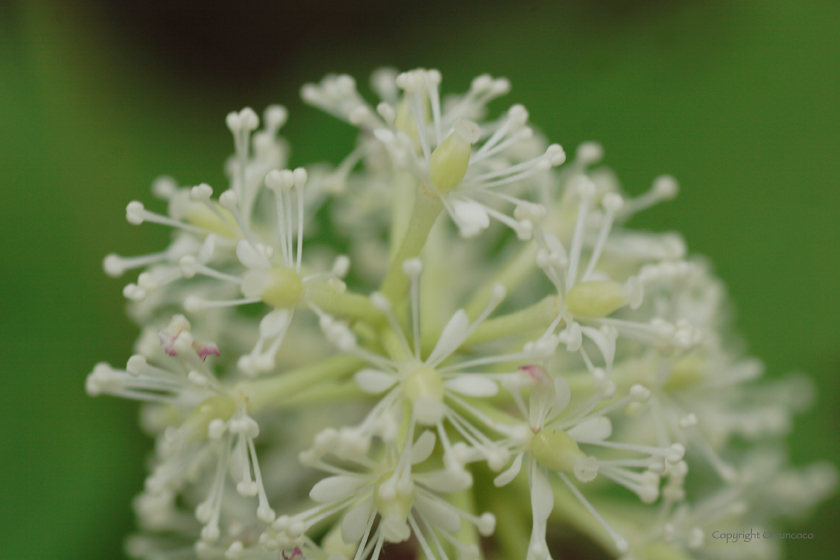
573,373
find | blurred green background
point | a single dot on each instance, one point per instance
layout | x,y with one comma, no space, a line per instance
738,100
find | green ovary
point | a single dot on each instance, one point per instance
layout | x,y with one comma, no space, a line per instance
394,512
279,287
195,426
449,162
596,299
555,450
423,388
685,373
201,216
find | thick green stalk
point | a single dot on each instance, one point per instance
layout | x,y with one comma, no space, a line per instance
514,273
346,304
538,316
324,394
405,185
262,393
427,207
511,523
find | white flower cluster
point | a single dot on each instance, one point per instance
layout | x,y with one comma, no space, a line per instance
558,370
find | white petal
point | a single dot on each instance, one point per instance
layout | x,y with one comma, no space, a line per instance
509,474
355,522
423,447
542,399
249,256
439,514
274,323
542,497
572,337
335,488
594,429
374,381
207,249
554,245
563,393
472,385
444,481
604,343
470,216
451,337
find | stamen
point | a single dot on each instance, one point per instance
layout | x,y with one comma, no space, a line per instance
620,542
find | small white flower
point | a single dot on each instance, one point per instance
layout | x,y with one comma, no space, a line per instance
551,443
433,141
215,425
404,501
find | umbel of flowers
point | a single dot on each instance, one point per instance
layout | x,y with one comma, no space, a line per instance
497,357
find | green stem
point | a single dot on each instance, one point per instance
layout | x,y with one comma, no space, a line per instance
538,316
261,393
324,394
427,207
346,304
513,274
511,526
405,185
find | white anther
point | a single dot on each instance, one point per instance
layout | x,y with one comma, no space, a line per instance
113,265
688,421
500,86
486,524
164,187
584,186
134,292
233,122
481,83
248,119
201,192
299,175
358,115
639,393
136,364
265,513
234,551
388,114
556,155
526,133
518,115
497,294
589,153
198,379
228,199
193,304
412,267
380,302
135,212
524,230
341,266
188,266
529,211
147,281
676,454
275,116
279,180
612,202
666,187
657,467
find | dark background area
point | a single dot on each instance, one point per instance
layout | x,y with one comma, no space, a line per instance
738,100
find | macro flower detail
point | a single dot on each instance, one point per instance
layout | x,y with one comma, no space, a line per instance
446,394
215,424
